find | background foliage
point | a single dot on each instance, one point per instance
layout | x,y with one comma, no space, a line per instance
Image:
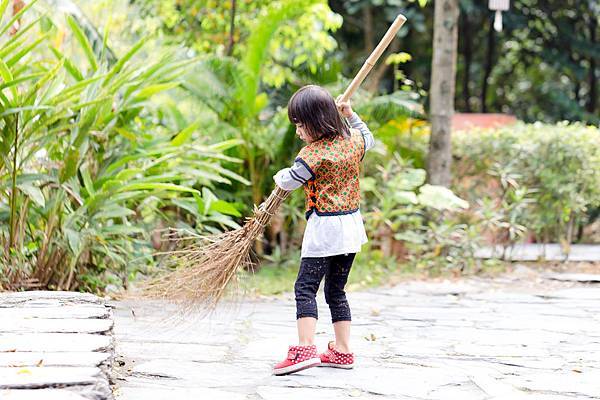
122,119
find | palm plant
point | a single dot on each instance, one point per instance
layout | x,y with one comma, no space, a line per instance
78,167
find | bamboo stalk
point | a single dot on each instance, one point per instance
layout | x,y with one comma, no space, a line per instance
375,55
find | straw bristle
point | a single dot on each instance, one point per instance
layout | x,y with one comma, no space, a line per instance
209,265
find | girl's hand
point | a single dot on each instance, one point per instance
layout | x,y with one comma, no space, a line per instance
344,107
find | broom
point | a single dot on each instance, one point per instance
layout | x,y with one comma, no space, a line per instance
207,265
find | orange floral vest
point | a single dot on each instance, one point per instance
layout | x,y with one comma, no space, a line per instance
335,166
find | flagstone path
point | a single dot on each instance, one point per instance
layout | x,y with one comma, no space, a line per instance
520,336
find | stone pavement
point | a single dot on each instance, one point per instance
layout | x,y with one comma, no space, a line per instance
538,251
518,336
55,345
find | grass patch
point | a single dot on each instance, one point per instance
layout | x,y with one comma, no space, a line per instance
278,274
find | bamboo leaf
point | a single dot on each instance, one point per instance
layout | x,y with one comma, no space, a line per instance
69,66
114,212
34,193
151,90
156,186
125,133
74,240
123,60
129,173
84,42
87,181
226,145
75,89
70,165
7,76
90,103
121,230
199,203
187,205
224,207
26,108
14,42
3,5
26,50
19,80
185,134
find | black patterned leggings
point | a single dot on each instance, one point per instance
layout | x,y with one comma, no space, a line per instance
335,269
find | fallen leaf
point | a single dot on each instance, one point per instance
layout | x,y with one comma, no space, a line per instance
371,338
23,371
375,312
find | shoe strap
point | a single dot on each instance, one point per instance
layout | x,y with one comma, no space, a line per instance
330,355
292,354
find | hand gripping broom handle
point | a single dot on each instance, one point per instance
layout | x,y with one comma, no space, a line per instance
370,62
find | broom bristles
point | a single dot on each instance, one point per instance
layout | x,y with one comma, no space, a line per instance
207,267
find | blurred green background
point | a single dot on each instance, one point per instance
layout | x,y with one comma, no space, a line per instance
121,120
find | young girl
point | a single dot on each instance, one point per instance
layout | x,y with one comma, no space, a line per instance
328,168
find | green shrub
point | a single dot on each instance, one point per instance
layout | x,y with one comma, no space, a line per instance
544,177
415,221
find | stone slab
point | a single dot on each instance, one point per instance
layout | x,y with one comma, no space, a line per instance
39,377
46,359
52,342
536,251
51,312
583,278
43,298
172,393
40,394
173,351
56,325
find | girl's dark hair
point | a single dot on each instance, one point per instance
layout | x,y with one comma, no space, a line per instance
314,108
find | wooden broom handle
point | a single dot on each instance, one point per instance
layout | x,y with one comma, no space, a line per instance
370,62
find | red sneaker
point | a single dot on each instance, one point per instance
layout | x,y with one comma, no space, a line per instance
335,359
298,358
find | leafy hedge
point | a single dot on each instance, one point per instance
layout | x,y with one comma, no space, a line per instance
548,174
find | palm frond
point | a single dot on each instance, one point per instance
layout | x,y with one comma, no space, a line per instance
391,106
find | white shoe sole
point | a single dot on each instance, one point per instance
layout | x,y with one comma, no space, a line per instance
342,366
312,362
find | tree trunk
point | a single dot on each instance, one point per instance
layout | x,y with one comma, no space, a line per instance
231,29
593,80
369,36
443,79
487,71
468,55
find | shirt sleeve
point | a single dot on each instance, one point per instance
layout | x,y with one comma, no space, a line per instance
293,177
357,123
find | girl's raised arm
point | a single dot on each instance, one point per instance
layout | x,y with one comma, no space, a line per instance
357,123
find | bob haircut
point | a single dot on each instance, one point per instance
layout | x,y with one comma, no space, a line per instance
314,108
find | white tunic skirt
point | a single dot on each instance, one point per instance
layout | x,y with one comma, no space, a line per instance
331,235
